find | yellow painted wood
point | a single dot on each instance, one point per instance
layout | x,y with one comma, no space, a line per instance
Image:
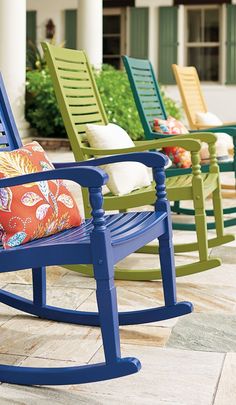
190,89
193,101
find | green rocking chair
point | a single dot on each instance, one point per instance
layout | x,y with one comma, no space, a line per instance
150,105
80,103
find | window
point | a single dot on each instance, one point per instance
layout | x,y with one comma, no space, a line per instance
203,37
113,36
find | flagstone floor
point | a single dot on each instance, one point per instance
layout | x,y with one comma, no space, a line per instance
185,361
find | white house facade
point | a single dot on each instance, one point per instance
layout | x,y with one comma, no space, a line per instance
186,32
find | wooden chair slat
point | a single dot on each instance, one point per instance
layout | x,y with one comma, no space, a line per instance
76,84
3,140
80,110
86,118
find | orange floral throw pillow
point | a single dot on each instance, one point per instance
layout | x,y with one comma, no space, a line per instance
179,156
33,210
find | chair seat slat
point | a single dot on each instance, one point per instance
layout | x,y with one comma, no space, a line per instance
81,234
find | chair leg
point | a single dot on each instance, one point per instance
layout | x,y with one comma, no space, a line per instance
201,228
176,207
106,296
218,211
39,286
166,251
108,316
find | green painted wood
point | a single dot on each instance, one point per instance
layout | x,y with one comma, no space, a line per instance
189,187
137,71
71,28
31,26
168,42
231,45
139,32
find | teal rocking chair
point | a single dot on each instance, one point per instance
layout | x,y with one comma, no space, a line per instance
150,105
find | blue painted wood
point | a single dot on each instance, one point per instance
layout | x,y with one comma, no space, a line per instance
103,267
92,318
100,241
166,248
8,125
39,286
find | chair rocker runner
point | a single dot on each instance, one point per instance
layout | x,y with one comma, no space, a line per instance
80,103
100,241
193,102
150,105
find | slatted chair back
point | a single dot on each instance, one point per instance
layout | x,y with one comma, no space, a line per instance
9,135
146,92
76,93
190,90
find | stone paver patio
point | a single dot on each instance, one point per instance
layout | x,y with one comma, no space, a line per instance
186,361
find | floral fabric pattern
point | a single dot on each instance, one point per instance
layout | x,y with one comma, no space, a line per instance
179,156
33,210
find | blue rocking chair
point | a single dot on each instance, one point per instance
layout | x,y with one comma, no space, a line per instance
101,241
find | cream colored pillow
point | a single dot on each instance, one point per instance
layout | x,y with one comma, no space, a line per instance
221,151
123,177
207,118
224,141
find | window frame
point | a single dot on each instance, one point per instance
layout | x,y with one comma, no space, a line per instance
121,11
218,44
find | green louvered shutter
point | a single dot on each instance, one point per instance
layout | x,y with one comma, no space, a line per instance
231,45
139,32
168,32
71,28
31,26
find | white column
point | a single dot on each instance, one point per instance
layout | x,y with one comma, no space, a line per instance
153,37
89,31
181,37
13,55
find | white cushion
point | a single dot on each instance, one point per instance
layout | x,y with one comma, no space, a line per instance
207,118
227,139
123,177
224,141
221,150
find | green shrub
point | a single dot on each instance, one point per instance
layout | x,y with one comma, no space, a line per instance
118,101
42,110
171,106
43,114
34,59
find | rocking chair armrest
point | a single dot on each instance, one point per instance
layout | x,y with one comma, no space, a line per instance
229,124
202,135
149,159
188,144
228,130
203,127
159,135
207,137
85,176
224,125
